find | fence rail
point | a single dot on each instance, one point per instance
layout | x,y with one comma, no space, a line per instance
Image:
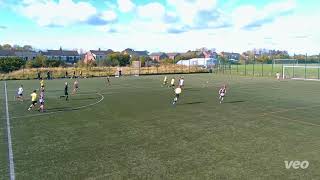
303,71
100,71
299,70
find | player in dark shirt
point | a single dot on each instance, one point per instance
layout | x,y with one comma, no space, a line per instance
66,94
108,81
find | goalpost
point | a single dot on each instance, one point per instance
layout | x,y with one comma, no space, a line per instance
301,72
279,64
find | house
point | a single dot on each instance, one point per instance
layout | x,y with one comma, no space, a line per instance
94,55
64,55
157,56
26,55
132,52
7,53
209,54
23,54
204,62
231,56
193,54
172,55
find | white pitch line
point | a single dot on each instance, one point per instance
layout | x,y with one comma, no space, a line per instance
294,120
71,109
10,152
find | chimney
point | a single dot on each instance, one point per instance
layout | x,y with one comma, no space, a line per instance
99,49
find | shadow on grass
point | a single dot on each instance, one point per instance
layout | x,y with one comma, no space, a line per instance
190,89
190,103
77,99
231,102
60,109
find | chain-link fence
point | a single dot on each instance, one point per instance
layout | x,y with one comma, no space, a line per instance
299,69
289,68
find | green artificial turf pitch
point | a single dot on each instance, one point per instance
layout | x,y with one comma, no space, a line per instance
131,130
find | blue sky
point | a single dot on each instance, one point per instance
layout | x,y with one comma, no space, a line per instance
162,25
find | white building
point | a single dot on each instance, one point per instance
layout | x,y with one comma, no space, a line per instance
205,62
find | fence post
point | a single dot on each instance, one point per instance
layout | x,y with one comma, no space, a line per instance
293,70
245,68
254,62
305,67
189,66
23,71
282,71
272,68
318,66
262,68
223,67
237,68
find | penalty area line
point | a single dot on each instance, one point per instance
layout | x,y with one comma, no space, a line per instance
10,151
297,121
70,109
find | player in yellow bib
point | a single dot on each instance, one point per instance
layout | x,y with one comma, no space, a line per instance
177,92
33,100
41,84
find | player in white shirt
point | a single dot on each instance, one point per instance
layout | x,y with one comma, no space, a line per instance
41,101
165,81
177,92
278,75
181,82
172,83
222,93
75,87
20,93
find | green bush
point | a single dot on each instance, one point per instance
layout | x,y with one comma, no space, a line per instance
9,64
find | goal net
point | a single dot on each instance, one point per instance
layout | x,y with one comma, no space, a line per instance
301,72
285,61
135,68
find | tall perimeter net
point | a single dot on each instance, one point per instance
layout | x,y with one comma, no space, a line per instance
285,62
135,68
279,64
301,72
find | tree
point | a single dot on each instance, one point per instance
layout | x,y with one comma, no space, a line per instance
222,59
54,63
7,47
17,47
122,59
39,61
263,59
134,58
145,60
112,61
9,64
27,48
167,61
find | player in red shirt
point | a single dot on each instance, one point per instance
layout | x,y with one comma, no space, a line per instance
222,93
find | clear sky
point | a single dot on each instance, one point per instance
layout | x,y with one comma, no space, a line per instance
163,25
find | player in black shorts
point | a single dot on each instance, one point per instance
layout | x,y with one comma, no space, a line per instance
66,94
108,81
33,100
